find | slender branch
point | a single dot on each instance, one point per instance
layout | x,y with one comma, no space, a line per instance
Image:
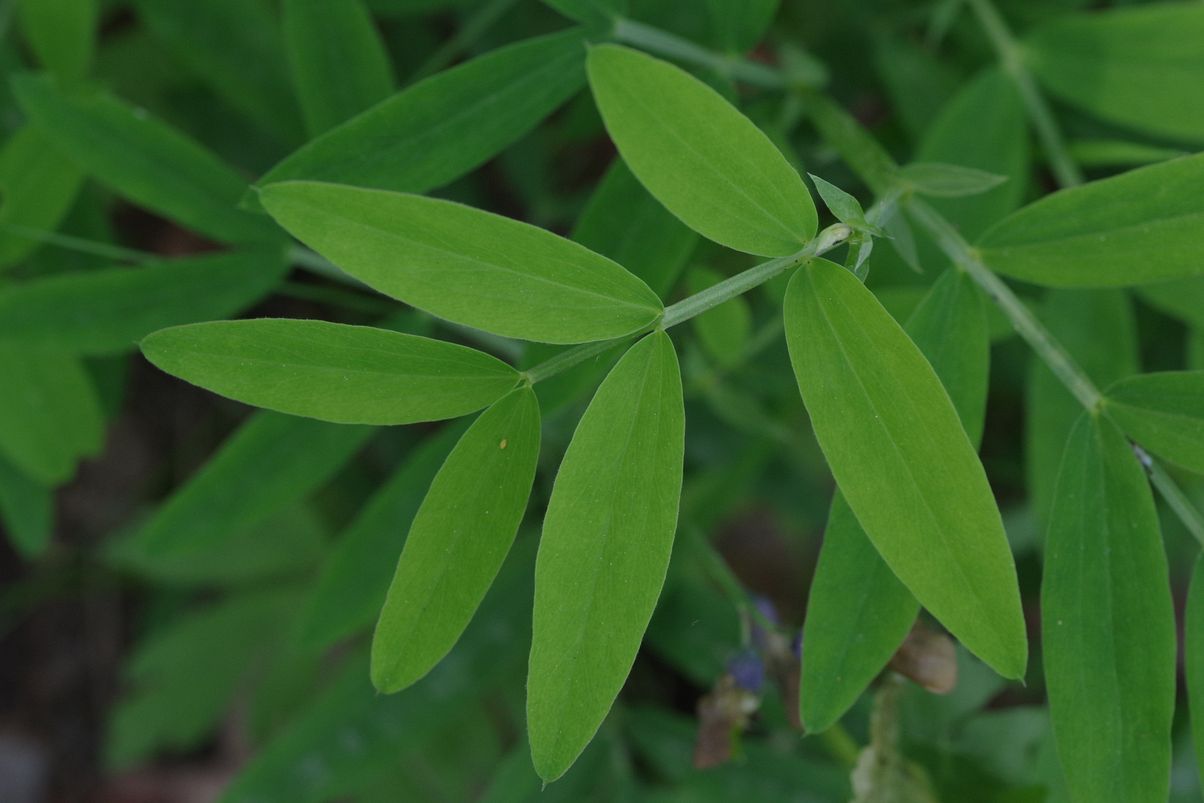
663,43
1011,58
695,305
1173,494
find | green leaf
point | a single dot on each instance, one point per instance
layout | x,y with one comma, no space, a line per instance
1107,623
26,510
62,33
707,163
338,61
466,265
236,47
1182,298
143,159
37,186
268,465
725,330
1103,234
947,180
1193,658
458,541
623,222
845,207
738,25
1139,67
858,613
903,461
1164,412
1098,331
348,594
185,677
109,310
604,551
447,125
50,417
331,371
592,12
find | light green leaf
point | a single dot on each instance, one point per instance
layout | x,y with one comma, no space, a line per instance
903,461
349,592
466,265
37,186
236,47
109,310
330,371
1098,331
1139,67
143,159
26,510
725,330
1164,412
1193,658
338,61
268,465
458,541
1139,227
62,33
604,551
623,222
447,125
858,613
707,163
50,417
845,207
1107,623
947,180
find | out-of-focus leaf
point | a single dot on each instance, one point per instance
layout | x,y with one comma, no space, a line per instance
143,159
108,311
738,25
1193,658
466,265
338,61
1107,623
62,33
604,551
50,417
725,330
946,180
37,186
445,126
1182,298
26,510
330,371
1164,412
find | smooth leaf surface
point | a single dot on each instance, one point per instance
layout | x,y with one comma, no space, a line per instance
350,590
50,417
236,47
62,33
1164,412
902,459
143,159
858,613
466,265
268,465
1107,623
1135,228
447,125
604,551
458,541
1193,658
109,310
707,163
1139,67
338,61
330,371
37,185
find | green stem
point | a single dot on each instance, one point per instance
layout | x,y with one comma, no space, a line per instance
1011,57
663,43
695,305
841,745
1173,494
1022,318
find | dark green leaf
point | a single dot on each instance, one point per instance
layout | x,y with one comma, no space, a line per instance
1107,623
330,371
1193,658
1103,234
1163,412
725,330
37,186
707,163
1182,298
338,60
903,461
26,510
604,551
62,33
458,541
466,265
108,311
